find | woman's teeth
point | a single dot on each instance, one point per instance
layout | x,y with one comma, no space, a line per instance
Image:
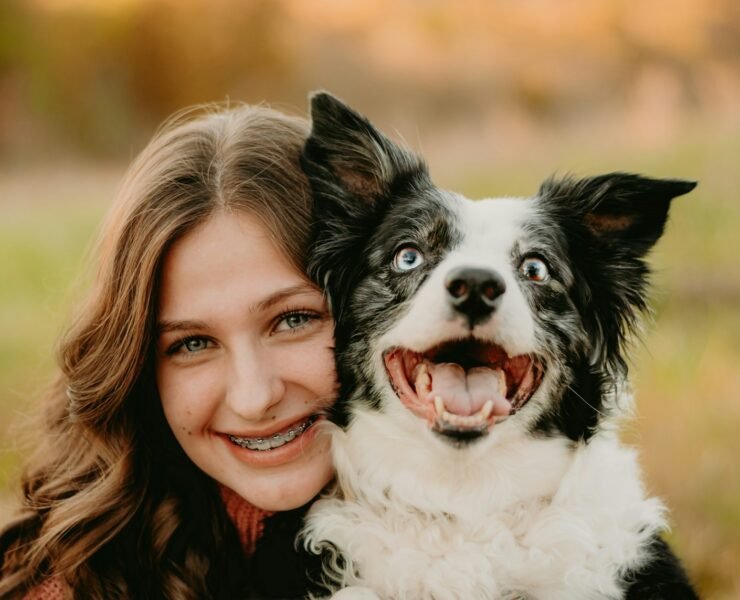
273,441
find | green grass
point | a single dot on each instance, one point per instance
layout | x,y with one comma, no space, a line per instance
686,373
45,247
48,221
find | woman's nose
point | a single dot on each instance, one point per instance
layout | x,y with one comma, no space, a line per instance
254,385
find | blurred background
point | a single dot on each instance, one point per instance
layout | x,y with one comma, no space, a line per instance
497,94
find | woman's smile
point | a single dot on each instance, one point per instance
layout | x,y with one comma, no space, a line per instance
277,449
272,439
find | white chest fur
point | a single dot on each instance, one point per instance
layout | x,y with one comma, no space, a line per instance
512,517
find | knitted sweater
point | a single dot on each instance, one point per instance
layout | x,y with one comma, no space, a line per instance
248,520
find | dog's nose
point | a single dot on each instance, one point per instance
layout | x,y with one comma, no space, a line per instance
474,292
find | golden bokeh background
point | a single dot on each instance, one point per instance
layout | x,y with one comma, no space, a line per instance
497,94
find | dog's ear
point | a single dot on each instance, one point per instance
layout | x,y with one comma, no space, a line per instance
349,160
610,222
355,174
619,208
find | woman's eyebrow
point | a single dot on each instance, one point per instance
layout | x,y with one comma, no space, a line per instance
277,297
166,326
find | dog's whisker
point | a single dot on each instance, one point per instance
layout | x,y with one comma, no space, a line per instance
587,403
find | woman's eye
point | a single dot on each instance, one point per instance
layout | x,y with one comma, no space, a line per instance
534,269
408,258
294,320
190,345
195,344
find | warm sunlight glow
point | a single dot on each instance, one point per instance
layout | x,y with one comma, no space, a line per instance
91,5
336,14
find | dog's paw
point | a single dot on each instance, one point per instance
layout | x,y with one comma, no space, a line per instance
355,593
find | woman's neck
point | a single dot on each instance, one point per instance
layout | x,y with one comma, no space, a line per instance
247,518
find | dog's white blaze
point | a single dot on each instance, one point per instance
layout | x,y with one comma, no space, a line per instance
491,229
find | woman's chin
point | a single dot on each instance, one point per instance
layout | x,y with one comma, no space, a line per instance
289,489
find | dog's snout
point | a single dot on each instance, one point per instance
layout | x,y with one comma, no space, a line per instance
474,292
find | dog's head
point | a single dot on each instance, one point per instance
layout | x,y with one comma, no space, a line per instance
470,313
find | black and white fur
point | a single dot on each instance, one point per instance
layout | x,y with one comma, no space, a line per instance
548,504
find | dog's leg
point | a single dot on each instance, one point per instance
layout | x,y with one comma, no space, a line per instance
662,578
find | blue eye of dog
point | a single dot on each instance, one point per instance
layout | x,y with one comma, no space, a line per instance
408,258
534,269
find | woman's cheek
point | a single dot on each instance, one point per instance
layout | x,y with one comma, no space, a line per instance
189,397
320,367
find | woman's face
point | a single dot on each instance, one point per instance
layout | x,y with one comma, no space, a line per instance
244,362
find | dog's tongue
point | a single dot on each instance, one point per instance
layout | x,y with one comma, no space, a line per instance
465,392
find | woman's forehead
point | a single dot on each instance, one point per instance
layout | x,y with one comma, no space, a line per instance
230,259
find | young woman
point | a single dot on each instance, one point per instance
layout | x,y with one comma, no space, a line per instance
182,427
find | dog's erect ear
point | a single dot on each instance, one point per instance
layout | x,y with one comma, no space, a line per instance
621,208
345,151
355,174
611,222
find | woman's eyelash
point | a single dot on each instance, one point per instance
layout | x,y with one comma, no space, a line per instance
302,318
283,317
182,343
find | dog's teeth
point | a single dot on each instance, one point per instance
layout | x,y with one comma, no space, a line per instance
439,406
487,409
449,417
423,381
501,383
463,421
477,420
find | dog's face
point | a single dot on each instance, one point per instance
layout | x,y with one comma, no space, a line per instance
463,314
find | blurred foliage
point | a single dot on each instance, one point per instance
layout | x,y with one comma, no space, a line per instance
92,79
95,77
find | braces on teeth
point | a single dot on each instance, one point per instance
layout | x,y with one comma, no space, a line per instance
274,441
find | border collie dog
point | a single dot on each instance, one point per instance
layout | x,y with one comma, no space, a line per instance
480,350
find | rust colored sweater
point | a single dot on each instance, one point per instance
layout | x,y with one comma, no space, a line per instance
248,520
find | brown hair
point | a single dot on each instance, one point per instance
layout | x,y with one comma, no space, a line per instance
111,503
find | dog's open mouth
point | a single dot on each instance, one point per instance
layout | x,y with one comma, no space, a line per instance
460,388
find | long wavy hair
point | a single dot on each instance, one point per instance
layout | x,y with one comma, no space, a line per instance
111,504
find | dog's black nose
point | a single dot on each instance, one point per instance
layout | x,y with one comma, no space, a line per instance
474,292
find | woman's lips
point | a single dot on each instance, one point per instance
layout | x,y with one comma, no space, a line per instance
274,428
273,440
246,449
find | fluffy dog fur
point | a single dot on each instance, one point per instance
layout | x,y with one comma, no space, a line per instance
545,503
